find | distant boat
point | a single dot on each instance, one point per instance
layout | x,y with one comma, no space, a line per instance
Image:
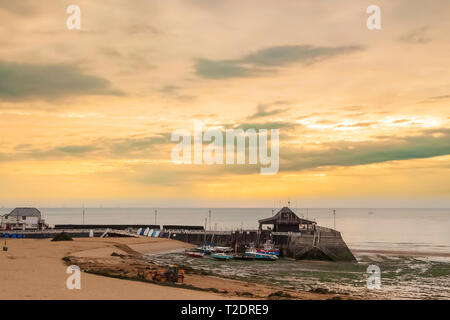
222,256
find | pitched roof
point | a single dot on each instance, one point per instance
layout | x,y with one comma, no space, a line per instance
25,212
285,216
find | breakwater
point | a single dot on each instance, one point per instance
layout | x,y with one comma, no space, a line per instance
321,244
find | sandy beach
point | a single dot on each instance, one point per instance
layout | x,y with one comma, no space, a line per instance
34,269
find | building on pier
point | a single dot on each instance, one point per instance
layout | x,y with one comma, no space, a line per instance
287,221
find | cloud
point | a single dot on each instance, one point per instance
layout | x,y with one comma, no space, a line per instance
142,28
23,7
21,81
266,125
126,147
436,99
430,143
174,93
444,97
262,61
284,55
357,125
263,112
418,36
76,149
222,69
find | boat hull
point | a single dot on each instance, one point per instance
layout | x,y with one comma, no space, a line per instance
221,256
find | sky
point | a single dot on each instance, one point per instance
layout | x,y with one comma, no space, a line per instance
86,116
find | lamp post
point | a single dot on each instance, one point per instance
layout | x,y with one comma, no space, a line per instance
209,220
156,214
334,217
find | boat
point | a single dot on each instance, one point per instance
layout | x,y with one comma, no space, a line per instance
251,251
221,256
269,249
194,254
206,249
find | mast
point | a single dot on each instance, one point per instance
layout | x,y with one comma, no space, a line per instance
334,216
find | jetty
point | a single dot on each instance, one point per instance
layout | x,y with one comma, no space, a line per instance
296,238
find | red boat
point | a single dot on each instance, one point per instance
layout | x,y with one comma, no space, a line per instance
274,252
194,254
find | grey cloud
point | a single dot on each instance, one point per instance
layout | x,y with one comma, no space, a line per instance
343,153
221,69
418,36
444,97
23,7
174,93
138,145
266,125
76,149
267,60
283,55
20,80
263,112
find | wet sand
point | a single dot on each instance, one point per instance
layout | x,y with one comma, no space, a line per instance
401,253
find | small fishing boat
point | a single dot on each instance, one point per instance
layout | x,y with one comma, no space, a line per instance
194,254
269,249
221,256
252,252
206,249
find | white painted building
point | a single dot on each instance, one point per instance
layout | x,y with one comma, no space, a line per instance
23,219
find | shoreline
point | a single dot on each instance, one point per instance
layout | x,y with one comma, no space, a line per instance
35,269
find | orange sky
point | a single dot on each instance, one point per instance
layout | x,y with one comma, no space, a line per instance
86,116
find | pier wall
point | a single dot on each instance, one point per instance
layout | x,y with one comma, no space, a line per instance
322,244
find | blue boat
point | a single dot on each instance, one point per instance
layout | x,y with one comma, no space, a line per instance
222,256
254,253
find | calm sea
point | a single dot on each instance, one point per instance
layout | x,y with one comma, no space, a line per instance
423,230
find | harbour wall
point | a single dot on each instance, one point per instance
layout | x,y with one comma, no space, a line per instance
321,244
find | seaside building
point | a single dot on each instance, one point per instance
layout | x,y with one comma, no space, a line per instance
287,221
23,219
